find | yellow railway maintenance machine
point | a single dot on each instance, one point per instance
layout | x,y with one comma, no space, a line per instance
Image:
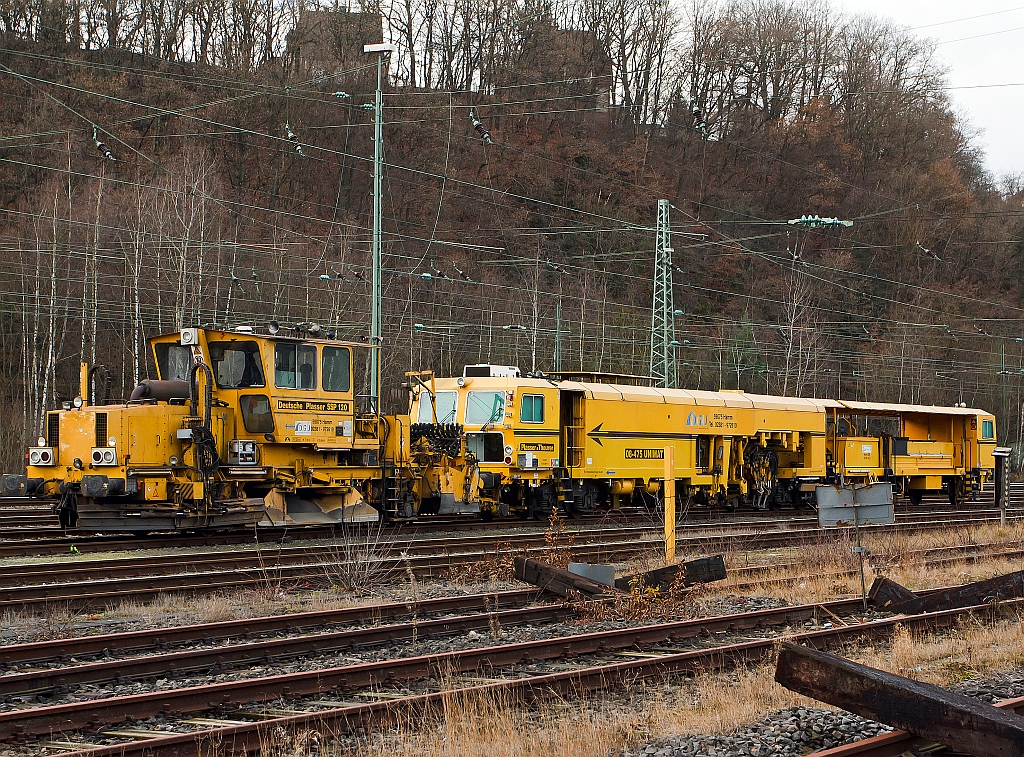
238,428
919,448
533,444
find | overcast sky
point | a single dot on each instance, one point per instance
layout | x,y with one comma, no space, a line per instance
989,58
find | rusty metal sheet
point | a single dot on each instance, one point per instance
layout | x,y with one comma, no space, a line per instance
956,721
864,505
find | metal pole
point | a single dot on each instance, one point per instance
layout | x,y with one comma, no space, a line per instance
378,288
859,549
670,505
558,334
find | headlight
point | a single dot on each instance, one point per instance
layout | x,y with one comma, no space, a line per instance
104,456
41,456
77,402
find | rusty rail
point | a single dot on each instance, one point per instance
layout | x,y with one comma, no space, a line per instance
236,738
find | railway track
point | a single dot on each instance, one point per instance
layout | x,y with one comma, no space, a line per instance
41,666
236,713
80,583
31,529
25,542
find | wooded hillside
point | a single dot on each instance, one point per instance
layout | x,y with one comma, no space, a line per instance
167,163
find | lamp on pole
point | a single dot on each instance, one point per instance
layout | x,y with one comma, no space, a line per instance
378,285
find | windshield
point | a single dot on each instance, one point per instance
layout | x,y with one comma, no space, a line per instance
484,407
236,365
173,361
446,404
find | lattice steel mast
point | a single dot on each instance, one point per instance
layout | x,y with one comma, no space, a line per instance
664,366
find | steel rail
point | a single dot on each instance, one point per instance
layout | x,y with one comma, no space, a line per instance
53,540
251,736
77,715
176,663
158,639
221,658
20,573
90,593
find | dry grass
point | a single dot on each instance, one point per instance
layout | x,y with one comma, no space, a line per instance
603,724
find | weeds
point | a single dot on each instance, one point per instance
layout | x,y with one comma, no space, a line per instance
558,545
358,565
497,566
643,603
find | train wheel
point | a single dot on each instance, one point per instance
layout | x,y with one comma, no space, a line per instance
487,515
956,491
915,496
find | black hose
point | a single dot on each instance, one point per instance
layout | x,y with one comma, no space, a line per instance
193,392
207,457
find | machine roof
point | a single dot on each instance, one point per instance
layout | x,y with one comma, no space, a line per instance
891,408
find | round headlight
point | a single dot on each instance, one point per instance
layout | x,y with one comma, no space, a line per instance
111,442
33,457
77,402
108,456
508,450
44,456
41,441
97,456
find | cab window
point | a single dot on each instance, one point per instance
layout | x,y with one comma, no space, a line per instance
446,404
484,407
294,366
988,430
256,414
488,448
532,409
236,365
336,363
173,361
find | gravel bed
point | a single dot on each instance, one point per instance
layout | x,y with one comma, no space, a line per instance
800,730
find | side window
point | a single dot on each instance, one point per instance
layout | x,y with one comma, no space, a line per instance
988,430
533,408
236,365
337,370
173,361
256,414
294,366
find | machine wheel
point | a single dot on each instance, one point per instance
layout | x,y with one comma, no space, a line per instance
487,515
915,496
956,491
67,518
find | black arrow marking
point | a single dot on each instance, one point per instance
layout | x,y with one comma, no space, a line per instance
598,433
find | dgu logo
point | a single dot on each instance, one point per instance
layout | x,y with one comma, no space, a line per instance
693,419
